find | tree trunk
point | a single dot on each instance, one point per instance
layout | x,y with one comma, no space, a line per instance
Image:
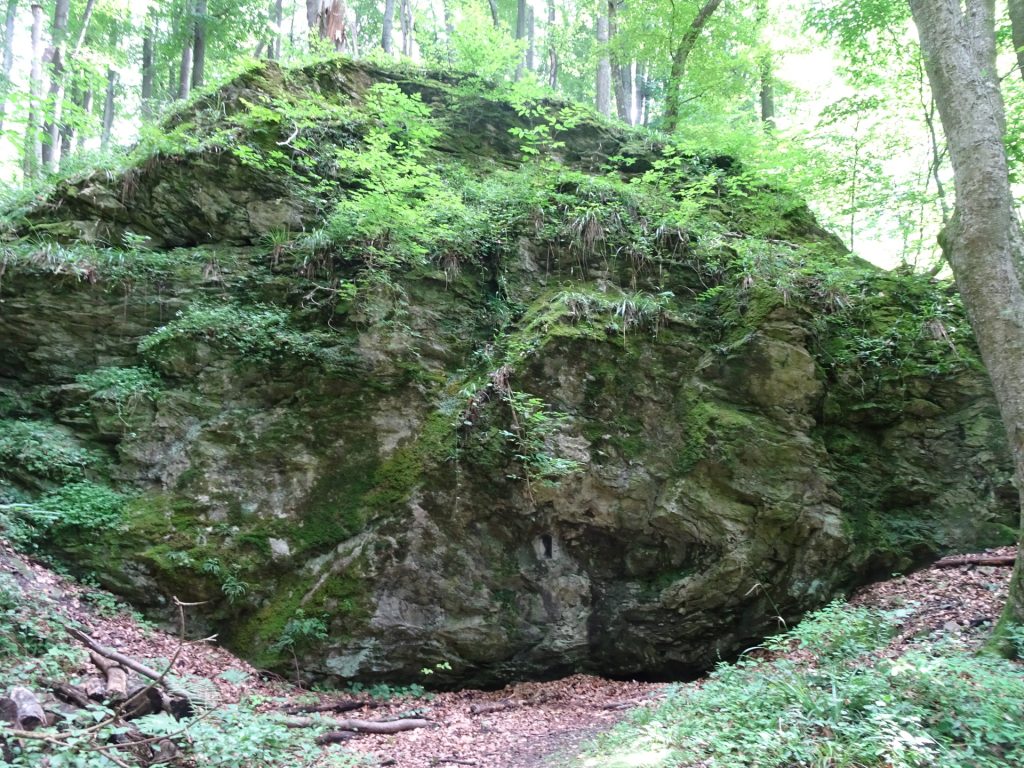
33,159
604,69
57,129
185,69
199,46
12,13
552,49
108,109
765,68
1017,30
520,32
983,241
77,136
278,28
643,111
531,40
767,94
147,75
55,58
620,74
679,56
405,20
494,12
386,29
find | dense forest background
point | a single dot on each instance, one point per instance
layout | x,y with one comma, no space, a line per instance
830,96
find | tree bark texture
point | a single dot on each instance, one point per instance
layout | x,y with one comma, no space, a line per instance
386,29
621,81
108,108
1016,8
199,45
58,84
8,65
33,160
54,57
680,55
552,49
604,67
983,241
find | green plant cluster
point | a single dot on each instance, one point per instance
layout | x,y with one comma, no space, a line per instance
34,451
259,333
839,703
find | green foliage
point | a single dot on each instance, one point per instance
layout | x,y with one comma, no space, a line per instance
402,209
301,632
259,333
79,507
939,706
33,449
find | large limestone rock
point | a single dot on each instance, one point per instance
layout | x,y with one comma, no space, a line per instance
718,478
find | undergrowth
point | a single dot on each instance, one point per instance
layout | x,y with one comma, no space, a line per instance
835,702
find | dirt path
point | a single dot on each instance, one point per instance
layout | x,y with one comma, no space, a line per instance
541,720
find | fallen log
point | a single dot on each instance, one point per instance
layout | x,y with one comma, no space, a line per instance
27,712
363,726
335,737
116,677
143,700
71,694
127,662
998,561
487,707
338,707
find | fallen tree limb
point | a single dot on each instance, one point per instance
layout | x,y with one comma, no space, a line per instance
363,726
28,713
485,708
70,694
117,678
335,706
999,561
335,737
127,662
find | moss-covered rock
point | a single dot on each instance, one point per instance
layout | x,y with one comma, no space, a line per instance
564,428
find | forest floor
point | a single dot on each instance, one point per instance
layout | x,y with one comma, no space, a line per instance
526,725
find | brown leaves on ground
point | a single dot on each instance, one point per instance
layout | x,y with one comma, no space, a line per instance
525,725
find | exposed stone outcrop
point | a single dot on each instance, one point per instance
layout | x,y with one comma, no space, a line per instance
724,461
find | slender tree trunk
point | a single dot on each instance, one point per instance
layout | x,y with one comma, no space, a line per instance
55,58
531,39
185,69
199,46
1016,8
33,159
620,74
77,136
680,55
767,94
278,28
449,29
8,65
983,241
147,74
386,29
57,130
520,32
643,110
552,48
604,67
765,66
494,12
108,109
405,21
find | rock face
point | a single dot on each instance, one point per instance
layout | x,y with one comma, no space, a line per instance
550,456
